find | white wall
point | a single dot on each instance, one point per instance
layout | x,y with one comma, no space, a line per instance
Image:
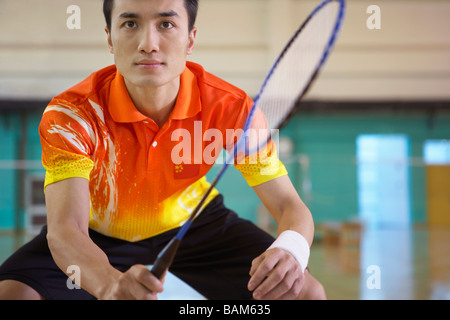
408,59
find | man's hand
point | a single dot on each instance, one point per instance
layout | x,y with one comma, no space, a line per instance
138,283
276,275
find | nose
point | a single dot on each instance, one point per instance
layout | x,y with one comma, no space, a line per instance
149,41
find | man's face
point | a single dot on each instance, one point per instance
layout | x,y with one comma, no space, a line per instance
150,40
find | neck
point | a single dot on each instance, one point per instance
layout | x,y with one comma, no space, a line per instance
155,102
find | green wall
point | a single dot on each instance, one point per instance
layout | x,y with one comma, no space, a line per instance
19,140
8,150
328,139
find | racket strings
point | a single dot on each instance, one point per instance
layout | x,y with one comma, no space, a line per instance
296,68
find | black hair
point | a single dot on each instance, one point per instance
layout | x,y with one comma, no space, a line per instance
191,7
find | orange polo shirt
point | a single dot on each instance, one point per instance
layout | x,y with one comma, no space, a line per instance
143,180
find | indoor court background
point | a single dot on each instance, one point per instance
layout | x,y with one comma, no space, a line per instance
369,152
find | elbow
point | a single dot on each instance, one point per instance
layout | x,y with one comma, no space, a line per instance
58,238
52,241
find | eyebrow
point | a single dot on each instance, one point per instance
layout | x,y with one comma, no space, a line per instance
167,14
164,14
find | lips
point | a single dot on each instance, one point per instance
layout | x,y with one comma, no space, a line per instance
149,64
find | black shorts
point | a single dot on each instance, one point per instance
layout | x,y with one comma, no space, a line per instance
214,257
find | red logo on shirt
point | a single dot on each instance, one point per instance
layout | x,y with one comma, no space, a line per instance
186,171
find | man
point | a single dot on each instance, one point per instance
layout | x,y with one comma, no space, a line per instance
115,197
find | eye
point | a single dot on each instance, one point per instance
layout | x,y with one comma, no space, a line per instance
166,25
130,24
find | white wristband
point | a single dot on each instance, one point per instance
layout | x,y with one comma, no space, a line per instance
294,243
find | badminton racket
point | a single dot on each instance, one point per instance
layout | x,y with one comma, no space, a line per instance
278,99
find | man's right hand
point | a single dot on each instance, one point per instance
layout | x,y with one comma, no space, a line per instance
68,207
138,283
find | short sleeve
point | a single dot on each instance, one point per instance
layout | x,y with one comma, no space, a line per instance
259,162
67,140
261,167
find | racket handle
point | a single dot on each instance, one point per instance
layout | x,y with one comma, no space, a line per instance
165,258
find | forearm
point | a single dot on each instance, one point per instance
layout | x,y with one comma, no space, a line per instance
70,246
289,211
296,216
68,206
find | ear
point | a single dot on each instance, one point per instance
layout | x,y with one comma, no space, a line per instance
110,46
191,43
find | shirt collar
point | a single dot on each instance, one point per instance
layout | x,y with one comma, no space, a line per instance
188,102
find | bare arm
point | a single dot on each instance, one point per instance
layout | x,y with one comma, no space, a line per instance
68,208
283,202
276,274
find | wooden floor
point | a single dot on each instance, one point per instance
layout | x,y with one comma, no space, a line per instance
411,264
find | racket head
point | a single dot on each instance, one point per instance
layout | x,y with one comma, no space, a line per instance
291,77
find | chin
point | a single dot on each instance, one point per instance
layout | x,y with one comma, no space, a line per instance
146,81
